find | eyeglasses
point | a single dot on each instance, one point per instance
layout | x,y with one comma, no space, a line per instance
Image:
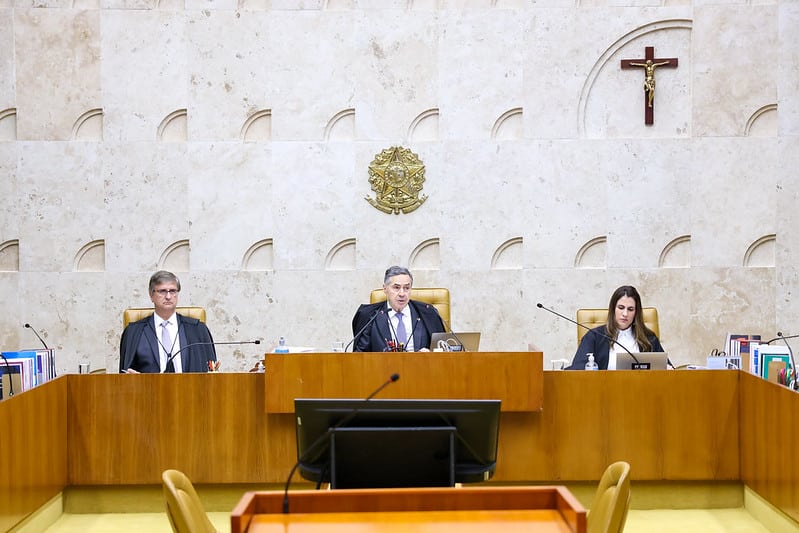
164,292
399,288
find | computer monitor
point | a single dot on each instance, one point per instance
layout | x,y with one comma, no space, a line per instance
396,443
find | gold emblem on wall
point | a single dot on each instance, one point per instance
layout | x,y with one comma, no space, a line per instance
396,176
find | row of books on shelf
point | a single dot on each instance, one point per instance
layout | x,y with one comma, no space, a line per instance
748,352
26,369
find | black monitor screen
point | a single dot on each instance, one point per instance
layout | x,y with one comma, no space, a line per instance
419,439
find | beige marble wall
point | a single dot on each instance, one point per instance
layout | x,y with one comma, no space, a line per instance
230,140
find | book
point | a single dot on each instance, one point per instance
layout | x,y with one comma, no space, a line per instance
773,359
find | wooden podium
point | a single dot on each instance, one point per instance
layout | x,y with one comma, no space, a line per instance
467,509
516,378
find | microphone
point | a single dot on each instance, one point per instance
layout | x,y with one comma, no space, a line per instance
608,337
360,332
37,335
392,345
325,436
10,376
405,346
780,337
791,385
171,357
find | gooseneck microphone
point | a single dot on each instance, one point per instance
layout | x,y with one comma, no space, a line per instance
360,332
171,357
780,336
37,335
608,337
326,437
792,384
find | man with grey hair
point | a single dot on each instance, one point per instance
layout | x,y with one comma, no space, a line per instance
399,324
166,341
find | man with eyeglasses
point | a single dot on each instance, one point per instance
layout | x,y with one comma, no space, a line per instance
399,324
166,341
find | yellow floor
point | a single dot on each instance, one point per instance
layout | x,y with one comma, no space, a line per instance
656,521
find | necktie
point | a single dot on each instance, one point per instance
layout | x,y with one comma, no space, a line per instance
166,342
402,336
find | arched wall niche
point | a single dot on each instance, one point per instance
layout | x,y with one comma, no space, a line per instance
9,256
762,252
258,127
592,254
508,256
426,256
176,257
341,256
91,257
89,126
508,127
174,127
341,127
260,257
676,254
424,127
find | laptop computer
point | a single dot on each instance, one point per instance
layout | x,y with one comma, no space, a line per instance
654,360
457,342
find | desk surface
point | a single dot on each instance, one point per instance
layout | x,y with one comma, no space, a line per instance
521,508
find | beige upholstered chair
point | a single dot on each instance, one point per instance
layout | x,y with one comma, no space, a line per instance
183,506
599,317
438,298
608,512
133,314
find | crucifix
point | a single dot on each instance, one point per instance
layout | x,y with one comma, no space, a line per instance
649,64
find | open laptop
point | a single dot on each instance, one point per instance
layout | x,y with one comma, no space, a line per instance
458,342
655,360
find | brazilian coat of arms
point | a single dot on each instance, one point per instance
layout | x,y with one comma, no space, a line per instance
396,176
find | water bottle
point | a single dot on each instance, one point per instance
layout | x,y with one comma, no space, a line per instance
591,364
281,346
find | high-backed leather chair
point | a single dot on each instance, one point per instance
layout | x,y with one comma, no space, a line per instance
183,506
608,512
437,297
599,317
134,314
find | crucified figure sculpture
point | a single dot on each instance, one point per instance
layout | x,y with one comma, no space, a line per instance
649,80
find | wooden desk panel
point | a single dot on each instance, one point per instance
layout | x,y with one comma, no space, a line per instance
769,441
513,377
548,508
669,425
33,450
119,430
126,429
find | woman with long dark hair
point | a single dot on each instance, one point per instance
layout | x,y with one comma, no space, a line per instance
625,324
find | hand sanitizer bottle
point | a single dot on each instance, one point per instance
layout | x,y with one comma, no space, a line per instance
591,364
281,346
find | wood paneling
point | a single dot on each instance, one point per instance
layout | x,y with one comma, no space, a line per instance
127,429
261,511
33,450
669,425
770,442
110,429
513,377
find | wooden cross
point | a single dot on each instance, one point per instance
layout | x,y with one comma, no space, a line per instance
649,64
